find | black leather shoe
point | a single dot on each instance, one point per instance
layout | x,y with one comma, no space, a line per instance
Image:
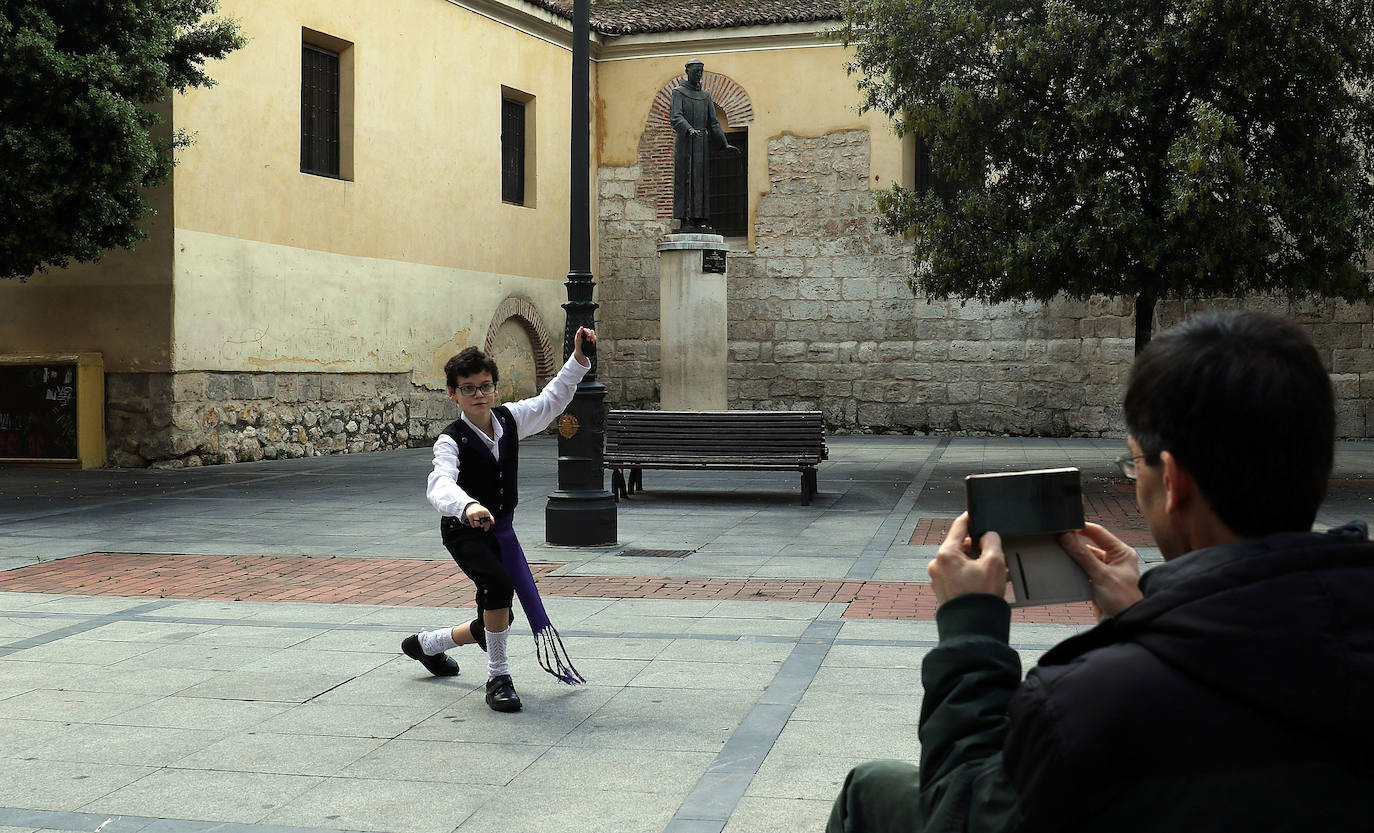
501,694
440,665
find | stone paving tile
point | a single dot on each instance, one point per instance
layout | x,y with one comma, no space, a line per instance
755,815
741,652
82,651
382,805
199,713
281,754
748,679
816,777
380,688
112,744
341,641
154,632
633,770
747,627
559,713
870,709
265,686
48,704
209,795
691,720
823,738
438,761
569,810
62,785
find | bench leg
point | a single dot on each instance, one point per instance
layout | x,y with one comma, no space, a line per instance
809,487
617,484
636,480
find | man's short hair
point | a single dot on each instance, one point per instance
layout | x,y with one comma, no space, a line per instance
469,362
1243,403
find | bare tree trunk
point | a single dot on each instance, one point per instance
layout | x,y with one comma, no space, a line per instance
1144,318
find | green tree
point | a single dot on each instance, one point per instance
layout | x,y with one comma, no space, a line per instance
76,81
1151,149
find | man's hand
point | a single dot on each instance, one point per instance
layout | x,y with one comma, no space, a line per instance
954,573
1112,567
478,516
584,335
733,150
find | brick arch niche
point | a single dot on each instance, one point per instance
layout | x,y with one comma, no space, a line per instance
656,144
523,311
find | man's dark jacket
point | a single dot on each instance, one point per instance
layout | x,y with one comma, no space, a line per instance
1238,695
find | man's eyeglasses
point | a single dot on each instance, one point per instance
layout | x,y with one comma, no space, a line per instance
486,389
1127,464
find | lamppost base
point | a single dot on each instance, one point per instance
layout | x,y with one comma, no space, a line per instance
581,519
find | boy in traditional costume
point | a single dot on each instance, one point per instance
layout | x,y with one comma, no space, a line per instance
474,487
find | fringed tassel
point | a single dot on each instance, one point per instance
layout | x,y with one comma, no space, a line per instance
553,657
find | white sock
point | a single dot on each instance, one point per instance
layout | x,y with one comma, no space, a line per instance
496,653
436,642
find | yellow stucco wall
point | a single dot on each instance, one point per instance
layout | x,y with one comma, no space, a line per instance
244,305
120,306
797,91
277,269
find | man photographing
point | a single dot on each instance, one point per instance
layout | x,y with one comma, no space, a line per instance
1231,688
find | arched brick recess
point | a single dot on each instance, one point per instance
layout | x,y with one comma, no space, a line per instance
656,143
523,311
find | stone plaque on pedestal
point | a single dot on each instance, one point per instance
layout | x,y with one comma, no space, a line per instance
692,319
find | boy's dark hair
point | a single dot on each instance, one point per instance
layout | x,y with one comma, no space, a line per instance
469,362
1242,401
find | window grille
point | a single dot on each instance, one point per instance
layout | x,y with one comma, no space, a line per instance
928,180
319,111
513,151
729,195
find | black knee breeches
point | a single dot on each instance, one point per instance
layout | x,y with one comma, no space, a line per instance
479,557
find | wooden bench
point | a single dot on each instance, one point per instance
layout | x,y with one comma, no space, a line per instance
740,440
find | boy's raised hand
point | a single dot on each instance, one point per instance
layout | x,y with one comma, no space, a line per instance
585,336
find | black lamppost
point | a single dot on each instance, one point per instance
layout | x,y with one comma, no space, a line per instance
582,512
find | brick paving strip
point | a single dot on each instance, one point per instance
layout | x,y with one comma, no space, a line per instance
388,581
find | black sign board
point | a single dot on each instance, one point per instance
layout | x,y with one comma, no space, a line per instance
38,411
713,260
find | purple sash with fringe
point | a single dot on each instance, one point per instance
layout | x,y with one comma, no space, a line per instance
548,645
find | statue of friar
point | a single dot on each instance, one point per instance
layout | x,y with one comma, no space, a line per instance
693,116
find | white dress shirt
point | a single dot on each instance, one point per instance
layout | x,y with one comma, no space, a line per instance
531,416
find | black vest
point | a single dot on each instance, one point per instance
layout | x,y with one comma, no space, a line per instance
492,484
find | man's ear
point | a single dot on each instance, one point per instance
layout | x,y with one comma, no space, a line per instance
1179,488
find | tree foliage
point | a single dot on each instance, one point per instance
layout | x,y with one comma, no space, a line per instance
1152,149
77,78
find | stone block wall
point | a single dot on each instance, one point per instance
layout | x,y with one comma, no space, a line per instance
197,418
822,317
193,419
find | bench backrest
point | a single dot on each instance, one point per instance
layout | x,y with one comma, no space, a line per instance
787,434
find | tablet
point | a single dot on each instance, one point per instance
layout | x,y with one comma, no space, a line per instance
1029,510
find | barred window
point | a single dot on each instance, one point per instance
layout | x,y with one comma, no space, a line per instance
729,194
319,111
513,151
928,180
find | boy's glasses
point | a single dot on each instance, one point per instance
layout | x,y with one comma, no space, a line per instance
486,389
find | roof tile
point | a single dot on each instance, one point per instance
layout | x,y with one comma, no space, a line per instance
627,17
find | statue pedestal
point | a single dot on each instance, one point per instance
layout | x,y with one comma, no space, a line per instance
691,306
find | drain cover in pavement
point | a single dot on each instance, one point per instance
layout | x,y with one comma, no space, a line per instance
655,553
